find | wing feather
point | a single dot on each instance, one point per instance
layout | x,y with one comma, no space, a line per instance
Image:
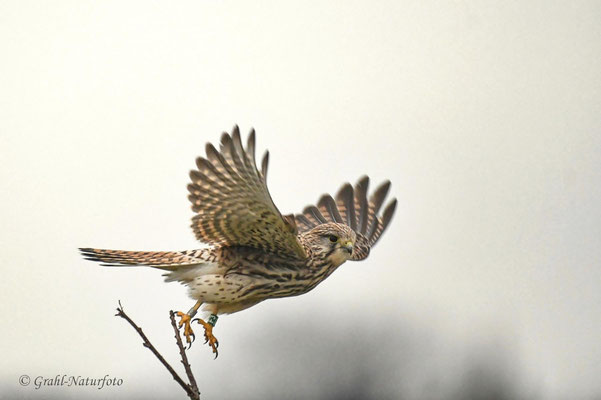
383,223
303,223
250,149
233,204
264,164
313,212
327,205
209,170
346,204
375,203
361,204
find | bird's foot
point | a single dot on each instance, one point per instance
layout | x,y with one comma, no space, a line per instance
185,322
209,338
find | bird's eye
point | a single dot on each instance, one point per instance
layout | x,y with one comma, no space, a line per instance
333,238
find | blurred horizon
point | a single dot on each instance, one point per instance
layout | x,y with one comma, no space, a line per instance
367,362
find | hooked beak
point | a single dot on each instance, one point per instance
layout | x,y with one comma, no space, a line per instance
348,246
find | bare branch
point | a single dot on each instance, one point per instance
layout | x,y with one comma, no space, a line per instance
191,389
182,352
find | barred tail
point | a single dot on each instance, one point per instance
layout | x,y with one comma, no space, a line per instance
156,259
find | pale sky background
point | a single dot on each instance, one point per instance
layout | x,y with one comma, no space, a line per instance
484,115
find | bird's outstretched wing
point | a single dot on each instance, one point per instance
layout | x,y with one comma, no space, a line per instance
233,206
352,207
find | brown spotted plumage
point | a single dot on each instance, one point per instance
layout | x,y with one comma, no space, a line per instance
232,202
256,253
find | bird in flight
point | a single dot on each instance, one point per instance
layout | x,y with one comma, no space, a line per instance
256,253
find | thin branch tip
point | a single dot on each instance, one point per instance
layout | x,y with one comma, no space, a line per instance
190,388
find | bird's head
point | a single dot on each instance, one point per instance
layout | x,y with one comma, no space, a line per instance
331,241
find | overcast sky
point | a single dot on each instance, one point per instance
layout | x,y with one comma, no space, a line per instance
484,115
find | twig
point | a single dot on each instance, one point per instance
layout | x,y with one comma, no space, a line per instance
182,352
191,389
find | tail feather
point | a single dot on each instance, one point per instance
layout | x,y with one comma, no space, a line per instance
157,259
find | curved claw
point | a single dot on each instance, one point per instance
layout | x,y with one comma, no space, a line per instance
214,347
209,338
191,341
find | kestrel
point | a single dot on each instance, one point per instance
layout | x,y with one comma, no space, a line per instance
255,252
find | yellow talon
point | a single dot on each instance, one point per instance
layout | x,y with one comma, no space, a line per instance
185,322
209,337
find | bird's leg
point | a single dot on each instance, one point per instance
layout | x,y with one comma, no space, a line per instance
185,322
209,338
